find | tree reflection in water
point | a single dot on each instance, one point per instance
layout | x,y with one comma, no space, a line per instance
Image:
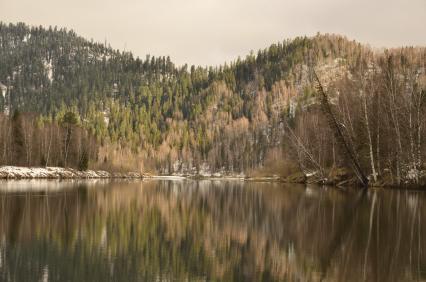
211,231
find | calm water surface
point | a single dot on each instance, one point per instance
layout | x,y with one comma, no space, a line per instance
208,231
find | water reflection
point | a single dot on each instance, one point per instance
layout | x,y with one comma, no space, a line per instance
210,231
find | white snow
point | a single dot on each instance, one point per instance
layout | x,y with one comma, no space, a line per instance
312,173
14,172
168,177
49,69
413,174
26,38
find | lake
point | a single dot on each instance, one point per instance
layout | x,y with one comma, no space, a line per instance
187,230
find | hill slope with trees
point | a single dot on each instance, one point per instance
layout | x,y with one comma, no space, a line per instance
84,104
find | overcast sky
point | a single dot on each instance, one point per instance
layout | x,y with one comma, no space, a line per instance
210,32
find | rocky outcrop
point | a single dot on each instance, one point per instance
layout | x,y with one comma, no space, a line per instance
14,172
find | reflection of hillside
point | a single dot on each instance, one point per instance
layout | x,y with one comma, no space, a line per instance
217,231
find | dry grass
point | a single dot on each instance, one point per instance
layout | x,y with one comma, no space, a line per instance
276,164
113,158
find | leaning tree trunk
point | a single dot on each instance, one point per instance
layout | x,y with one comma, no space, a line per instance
339,135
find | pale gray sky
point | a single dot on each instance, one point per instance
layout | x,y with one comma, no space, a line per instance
210,32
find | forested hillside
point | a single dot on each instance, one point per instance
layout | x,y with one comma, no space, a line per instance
260,113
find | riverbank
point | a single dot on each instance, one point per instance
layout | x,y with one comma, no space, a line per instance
337,178
14,172
341,177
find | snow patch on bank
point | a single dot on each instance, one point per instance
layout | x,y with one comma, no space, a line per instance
168,177
14,172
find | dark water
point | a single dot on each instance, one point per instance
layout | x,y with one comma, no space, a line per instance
209,231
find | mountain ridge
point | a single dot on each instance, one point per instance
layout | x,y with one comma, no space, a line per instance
161,117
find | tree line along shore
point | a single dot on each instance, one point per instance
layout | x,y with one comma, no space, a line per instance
324,108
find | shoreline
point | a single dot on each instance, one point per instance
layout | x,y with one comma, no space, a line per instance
34,173
17,172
